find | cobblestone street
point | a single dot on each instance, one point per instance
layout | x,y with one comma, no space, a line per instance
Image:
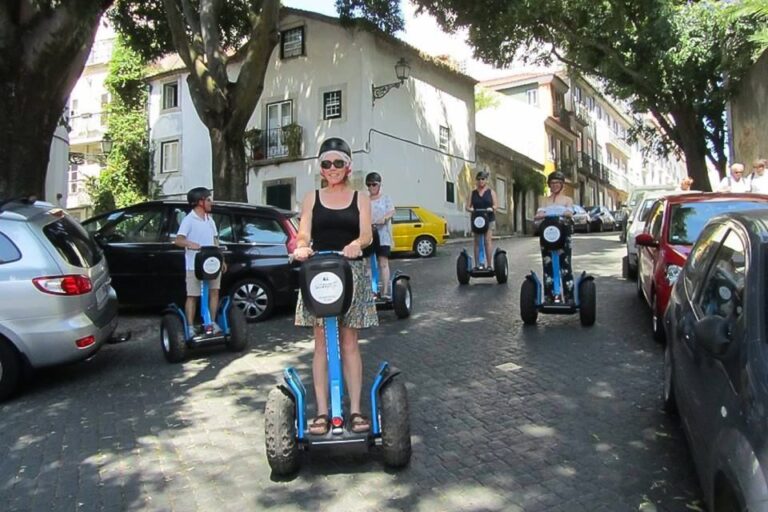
555,417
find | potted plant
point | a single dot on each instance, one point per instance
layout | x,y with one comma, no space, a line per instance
252,139
292,139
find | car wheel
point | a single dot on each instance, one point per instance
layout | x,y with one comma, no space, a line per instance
10,370
237,339
425,247
172,338
528,311
254,298
395,424
280,432
657,322
670,404
402,298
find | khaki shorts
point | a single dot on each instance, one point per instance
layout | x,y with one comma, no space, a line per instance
194,284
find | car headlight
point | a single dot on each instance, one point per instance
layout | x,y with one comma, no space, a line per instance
673,271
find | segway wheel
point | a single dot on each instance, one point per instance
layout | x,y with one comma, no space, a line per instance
280,432
587,303
172,338
528,311
501,267
395,425
462,270
237,339
401,298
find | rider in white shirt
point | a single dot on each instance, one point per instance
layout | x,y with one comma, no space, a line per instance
758,180
735,181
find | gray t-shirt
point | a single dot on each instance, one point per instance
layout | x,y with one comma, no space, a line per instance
379,208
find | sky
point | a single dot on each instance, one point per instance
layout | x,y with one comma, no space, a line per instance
421,32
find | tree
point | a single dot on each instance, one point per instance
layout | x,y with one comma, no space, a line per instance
43,48
126,179
680,61
755,11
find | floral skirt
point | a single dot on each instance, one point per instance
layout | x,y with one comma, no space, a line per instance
566,274
362,312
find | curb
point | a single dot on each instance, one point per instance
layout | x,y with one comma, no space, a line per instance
466,239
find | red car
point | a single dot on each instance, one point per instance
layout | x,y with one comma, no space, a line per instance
672,228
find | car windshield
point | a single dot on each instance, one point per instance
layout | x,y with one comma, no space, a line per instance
688,219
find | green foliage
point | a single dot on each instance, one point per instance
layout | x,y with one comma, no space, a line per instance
756,12
385,14
485,98
527,179
126,178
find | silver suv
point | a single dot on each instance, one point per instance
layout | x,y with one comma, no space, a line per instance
58,305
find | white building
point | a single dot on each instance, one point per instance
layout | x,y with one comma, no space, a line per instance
420,136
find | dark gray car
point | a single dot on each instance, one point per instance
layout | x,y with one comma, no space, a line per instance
716,359
57,302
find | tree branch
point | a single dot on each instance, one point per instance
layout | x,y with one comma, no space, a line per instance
179,34
670,131
209,29
191,16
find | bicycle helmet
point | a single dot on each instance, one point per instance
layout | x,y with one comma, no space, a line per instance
373,177
335,144
197,194
556,176
481,175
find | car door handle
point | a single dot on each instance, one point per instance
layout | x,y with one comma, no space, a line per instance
417,225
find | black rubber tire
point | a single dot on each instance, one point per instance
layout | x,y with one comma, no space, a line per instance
587,303
254,297
425,247
657,321
462,272
280,432
10,370
402,298
528,311
172,338
668,390
501,267
238,330
395,424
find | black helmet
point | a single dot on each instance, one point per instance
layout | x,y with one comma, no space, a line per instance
197,194
481,174
373,177
335,144
555,176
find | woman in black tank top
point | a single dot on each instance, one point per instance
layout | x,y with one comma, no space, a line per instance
337,218
481,198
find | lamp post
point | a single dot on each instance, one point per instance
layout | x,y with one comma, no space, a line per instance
402,70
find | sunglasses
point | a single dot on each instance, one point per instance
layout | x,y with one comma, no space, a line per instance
480,179
339,164
373,184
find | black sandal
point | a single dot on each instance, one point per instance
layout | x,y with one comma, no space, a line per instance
321,425
359,423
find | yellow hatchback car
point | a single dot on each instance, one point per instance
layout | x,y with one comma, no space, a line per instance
419,230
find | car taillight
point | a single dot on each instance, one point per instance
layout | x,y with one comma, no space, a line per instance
64,285
85,342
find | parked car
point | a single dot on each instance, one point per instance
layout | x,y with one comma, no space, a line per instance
600,219
581,220
674,224
58,305
635,225
620,216
716,359
419,230
148,269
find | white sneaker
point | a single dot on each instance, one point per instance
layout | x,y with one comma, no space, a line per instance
216,328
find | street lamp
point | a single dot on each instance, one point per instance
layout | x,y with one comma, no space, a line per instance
106,144
79,158
402,70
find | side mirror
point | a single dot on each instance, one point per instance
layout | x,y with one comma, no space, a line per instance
646,240
712,333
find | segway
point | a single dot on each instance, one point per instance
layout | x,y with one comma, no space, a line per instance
401,299
464,268
175,333
326,288
553,232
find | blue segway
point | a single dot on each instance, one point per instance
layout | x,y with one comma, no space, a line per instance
402,299
464,268
175,334
553,232
326,287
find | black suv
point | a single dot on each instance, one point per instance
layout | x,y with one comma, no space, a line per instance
148,269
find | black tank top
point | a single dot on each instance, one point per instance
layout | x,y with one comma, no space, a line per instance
332,230
482,202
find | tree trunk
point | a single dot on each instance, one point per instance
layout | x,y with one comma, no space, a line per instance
692,140
229,169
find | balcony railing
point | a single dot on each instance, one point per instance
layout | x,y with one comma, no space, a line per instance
283,142
88,125
619,143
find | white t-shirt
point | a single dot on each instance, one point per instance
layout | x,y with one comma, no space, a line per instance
199,230
759,184
379,208
731,185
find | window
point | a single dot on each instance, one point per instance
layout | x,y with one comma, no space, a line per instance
261,230
445,137
104,108
169,156
292,43
73,110
533,96
450,192
278,115
599,112
695,265
73,243
8,251
404,216
655,221
722,293
170,95
590,103
142,226
332,105
577,93
74,179
501,193
688,219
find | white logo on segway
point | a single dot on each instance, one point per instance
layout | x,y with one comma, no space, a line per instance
551,234
326,288
479,222
211,265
